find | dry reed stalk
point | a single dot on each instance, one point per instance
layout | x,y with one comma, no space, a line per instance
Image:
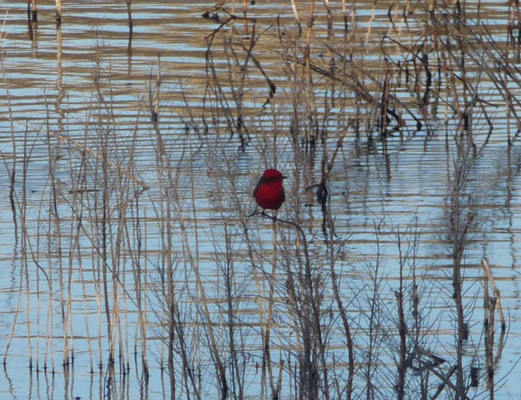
330,31
3,35
82,173
49,338
34,10
262,318
104,227
25,246
488,305
295,13
168,259
12,172
166,181
58,12
460,223
144,291
402,327
384,102
15,321
129,14
75,257
120,252
85,306
236,347
278,389
54,236
140,274
374,328
497,295
239,92
272,279
345,323
310,97
96,272
26,251
66,286
244,13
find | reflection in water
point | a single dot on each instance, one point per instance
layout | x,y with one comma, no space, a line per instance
132,136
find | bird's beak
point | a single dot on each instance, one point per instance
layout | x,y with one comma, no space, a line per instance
284,177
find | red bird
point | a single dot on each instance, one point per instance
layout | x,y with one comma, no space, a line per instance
269,192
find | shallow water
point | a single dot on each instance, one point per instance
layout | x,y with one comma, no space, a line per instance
69,107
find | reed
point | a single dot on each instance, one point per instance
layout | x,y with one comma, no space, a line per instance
3,34
58,12
129,13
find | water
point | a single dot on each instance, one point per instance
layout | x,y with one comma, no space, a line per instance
76,118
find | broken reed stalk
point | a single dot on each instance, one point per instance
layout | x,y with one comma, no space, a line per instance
34,10
3,35
295,13
489,305
497,295
58,12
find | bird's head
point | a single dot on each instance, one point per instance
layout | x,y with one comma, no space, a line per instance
273,175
